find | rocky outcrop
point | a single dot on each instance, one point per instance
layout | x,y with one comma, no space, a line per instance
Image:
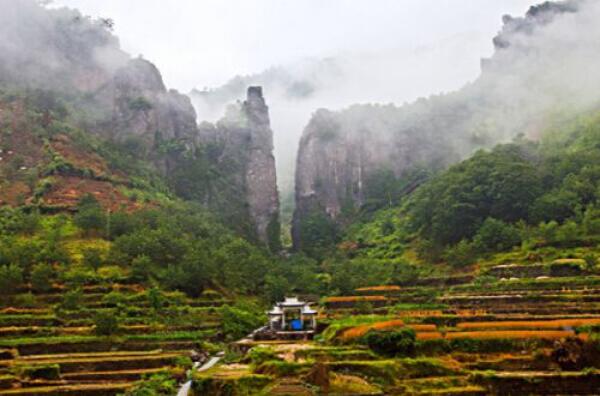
260,177
241,147
135,107
345,159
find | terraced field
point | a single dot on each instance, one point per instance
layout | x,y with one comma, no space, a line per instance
52,346
486,333
503,336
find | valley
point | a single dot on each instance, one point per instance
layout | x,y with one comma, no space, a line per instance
449,245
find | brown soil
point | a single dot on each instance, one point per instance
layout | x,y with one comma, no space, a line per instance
68,190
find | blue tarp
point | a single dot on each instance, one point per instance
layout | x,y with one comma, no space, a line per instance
296,324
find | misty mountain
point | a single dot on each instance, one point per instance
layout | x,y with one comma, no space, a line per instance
295,90
540,73
92,95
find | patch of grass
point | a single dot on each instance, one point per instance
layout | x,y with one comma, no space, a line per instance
279,368
242,385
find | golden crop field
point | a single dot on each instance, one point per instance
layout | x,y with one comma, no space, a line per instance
524,324
355,298
520,334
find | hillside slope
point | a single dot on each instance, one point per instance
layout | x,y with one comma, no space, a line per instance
78,78
540,73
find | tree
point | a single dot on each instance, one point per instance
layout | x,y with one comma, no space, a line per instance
239,320
461,255
392,343
92,258
155,298
141,269
42,276
72,299
317,233
106,323
276,287
11,278
89,217
502,184
496,236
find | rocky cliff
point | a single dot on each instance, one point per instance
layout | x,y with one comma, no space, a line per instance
244,185
367,156
70,69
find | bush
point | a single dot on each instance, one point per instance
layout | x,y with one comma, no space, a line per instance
574,354
114,298
92,258
90,217
11,278
141,268
396,342
45,371
42,276
363,307
26,300
72,300
155,298
258,355
78,276
463,254
161,384
238,321
496,236
106,323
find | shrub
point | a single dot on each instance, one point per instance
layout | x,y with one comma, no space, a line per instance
26,300
42,276
574,354
155,298
590,261
92,258
114,298
460,255
106,323
363,307
258,355
45,371
78,276
11,278
161,384
90,216
72,300
139,104
495,235
238,321
141,268
396,342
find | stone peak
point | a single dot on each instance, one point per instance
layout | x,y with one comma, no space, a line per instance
254,92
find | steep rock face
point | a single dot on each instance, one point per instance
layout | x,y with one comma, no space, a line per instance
355,157
260,177
244,185
144,107
346,158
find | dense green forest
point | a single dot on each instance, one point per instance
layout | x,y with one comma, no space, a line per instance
523,195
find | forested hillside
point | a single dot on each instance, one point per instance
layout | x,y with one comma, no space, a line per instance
538,76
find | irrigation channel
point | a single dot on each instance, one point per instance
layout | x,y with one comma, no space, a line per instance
185,388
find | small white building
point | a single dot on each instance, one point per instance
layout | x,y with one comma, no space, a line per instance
292,315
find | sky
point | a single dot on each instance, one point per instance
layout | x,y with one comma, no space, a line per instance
203,43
